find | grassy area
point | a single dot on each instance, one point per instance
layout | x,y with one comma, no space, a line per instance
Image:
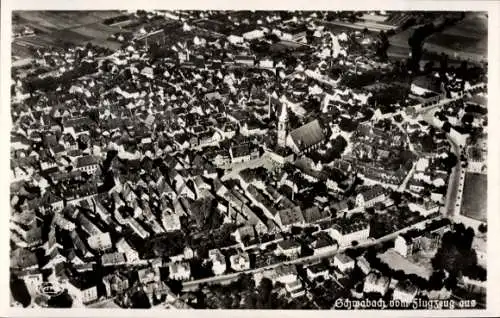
398,262
53,28
468,37
475,196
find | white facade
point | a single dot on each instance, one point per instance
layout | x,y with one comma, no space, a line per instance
218,262
423,209
342,265
401,246
179,271
130,254
239,262
255,34
101,242
403,295
347,238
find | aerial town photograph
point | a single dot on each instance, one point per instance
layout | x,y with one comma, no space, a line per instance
198,159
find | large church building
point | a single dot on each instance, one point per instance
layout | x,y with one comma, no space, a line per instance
301,140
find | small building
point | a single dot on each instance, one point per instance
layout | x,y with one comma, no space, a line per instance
375,282
218,261
405,292
425,209
100,242
323,244
295,289
84,291
371,196
115,284
343,262
289,248
363,265
317,270
88,164
240,262
113,259
130,254
179,271
345,235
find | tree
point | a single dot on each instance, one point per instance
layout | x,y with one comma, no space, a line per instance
20,292
63,300
140,300
482,228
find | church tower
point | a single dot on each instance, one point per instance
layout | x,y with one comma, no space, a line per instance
283,126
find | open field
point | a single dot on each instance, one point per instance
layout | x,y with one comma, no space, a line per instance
56,27
475,199
399,47
467,39
55,20
398,262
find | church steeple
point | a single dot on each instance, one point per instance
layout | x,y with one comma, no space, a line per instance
283,126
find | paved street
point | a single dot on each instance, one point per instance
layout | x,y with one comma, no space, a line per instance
193,285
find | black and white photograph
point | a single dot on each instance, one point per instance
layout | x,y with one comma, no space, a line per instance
248,159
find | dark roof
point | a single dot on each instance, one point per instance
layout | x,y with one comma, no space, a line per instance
287,244
323,240
314,214
23,258
373,192
317,268
291,216
86,161
308,135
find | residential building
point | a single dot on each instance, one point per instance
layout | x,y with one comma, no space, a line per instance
218,261
323,244
289,248
345,235
317,270
405,292
85,292
179,271
240,261
100,242
371,196
113,259
375,282
428,239
130,254
343,262
115,284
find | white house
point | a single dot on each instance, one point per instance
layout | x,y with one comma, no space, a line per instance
179,271
240,262
83,293
100,242
375,282
343,262
289,248
371,196
425,209
218,261
130,254
346,235
317,270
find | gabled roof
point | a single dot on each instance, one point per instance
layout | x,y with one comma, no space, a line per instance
291,216
308,135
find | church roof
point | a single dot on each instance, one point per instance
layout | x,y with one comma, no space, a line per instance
307,135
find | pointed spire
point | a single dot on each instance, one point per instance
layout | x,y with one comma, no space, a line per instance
284,113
